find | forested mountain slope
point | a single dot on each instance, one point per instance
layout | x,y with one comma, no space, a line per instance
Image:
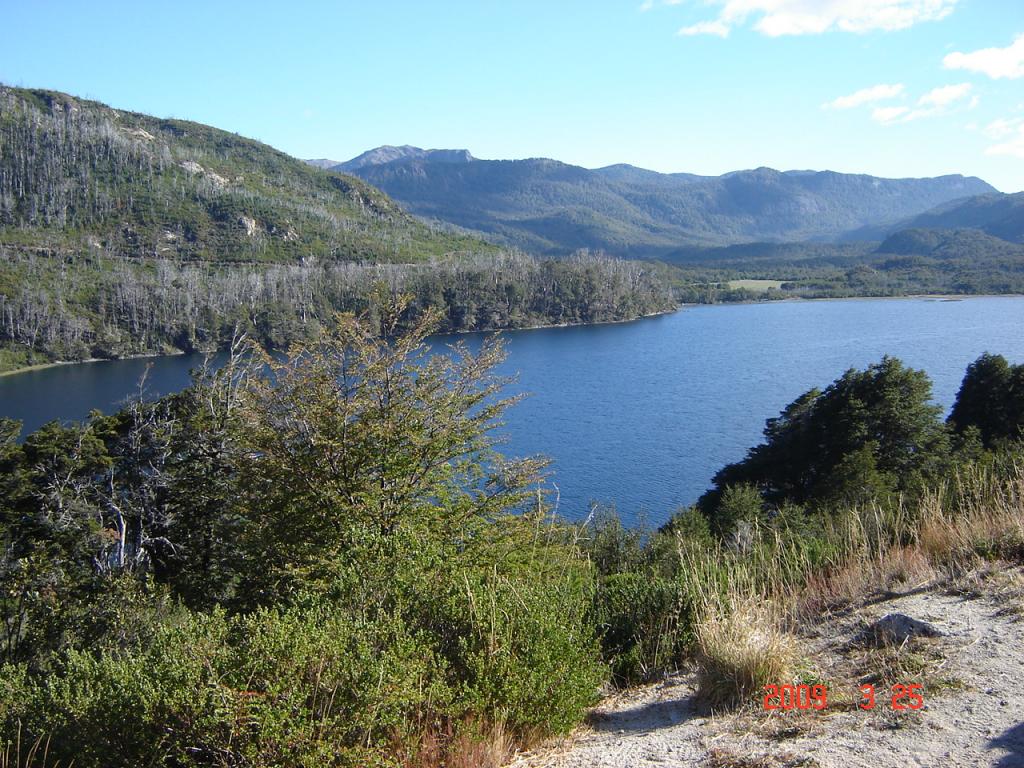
1000,216
949,243
126,234
551,207
76,173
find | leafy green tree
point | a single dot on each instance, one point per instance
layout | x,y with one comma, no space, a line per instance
856,481
690,526
870,431
991,399
361,436
740,504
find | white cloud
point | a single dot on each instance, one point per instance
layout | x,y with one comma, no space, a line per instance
937,101
716,28
806,17
944,96
1001,128
887,115
866,96
1012,147
995,62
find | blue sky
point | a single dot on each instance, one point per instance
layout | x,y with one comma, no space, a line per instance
887,87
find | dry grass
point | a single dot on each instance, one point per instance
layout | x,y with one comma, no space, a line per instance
740,649
468,746
917,660
14,754
996,582
977,517
756,285
897,569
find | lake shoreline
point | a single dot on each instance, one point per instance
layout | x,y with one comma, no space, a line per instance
544,327
57,363
641,414
936,296
932,296
904,297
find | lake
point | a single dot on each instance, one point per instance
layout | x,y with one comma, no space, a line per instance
642,414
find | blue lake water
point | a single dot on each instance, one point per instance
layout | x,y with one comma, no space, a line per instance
642,414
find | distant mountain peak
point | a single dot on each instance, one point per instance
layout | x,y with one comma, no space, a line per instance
322,162
406,153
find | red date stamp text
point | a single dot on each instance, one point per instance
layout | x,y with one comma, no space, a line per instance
901,697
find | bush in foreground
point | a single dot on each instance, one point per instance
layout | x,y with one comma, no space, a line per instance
326,566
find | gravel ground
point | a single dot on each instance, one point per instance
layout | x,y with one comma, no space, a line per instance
973,680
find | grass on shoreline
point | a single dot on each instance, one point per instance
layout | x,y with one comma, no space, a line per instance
37,367
748,625
59,363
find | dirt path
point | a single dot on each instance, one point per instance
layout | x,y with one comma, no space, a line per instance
973,714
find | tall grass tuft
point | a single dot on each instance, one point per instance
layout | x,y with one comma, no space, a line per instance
741,647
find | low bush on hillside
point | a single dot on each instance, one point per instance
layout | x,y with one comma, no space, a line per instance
325,565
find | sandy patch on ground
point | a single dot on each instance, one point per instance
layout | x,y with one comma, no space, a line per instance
973,692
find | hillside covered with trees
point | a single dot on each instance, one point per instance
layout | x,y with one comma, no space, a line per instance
913,261
1000,216
125,234
107,307
80,176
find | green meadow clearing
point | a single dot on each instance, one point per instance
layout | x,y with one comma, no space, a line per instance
756,285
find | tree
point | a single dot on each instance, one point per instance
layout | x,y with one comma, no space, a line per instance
52,533
991,398
741,505
365,440
856,481
870,431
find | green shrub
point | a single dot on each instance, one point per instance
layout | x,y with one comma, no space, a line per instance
357,672
159,704
320,687
643,623
525,655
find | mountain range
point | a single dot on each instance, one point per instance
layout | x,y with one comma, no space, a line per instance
123,233
550,207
